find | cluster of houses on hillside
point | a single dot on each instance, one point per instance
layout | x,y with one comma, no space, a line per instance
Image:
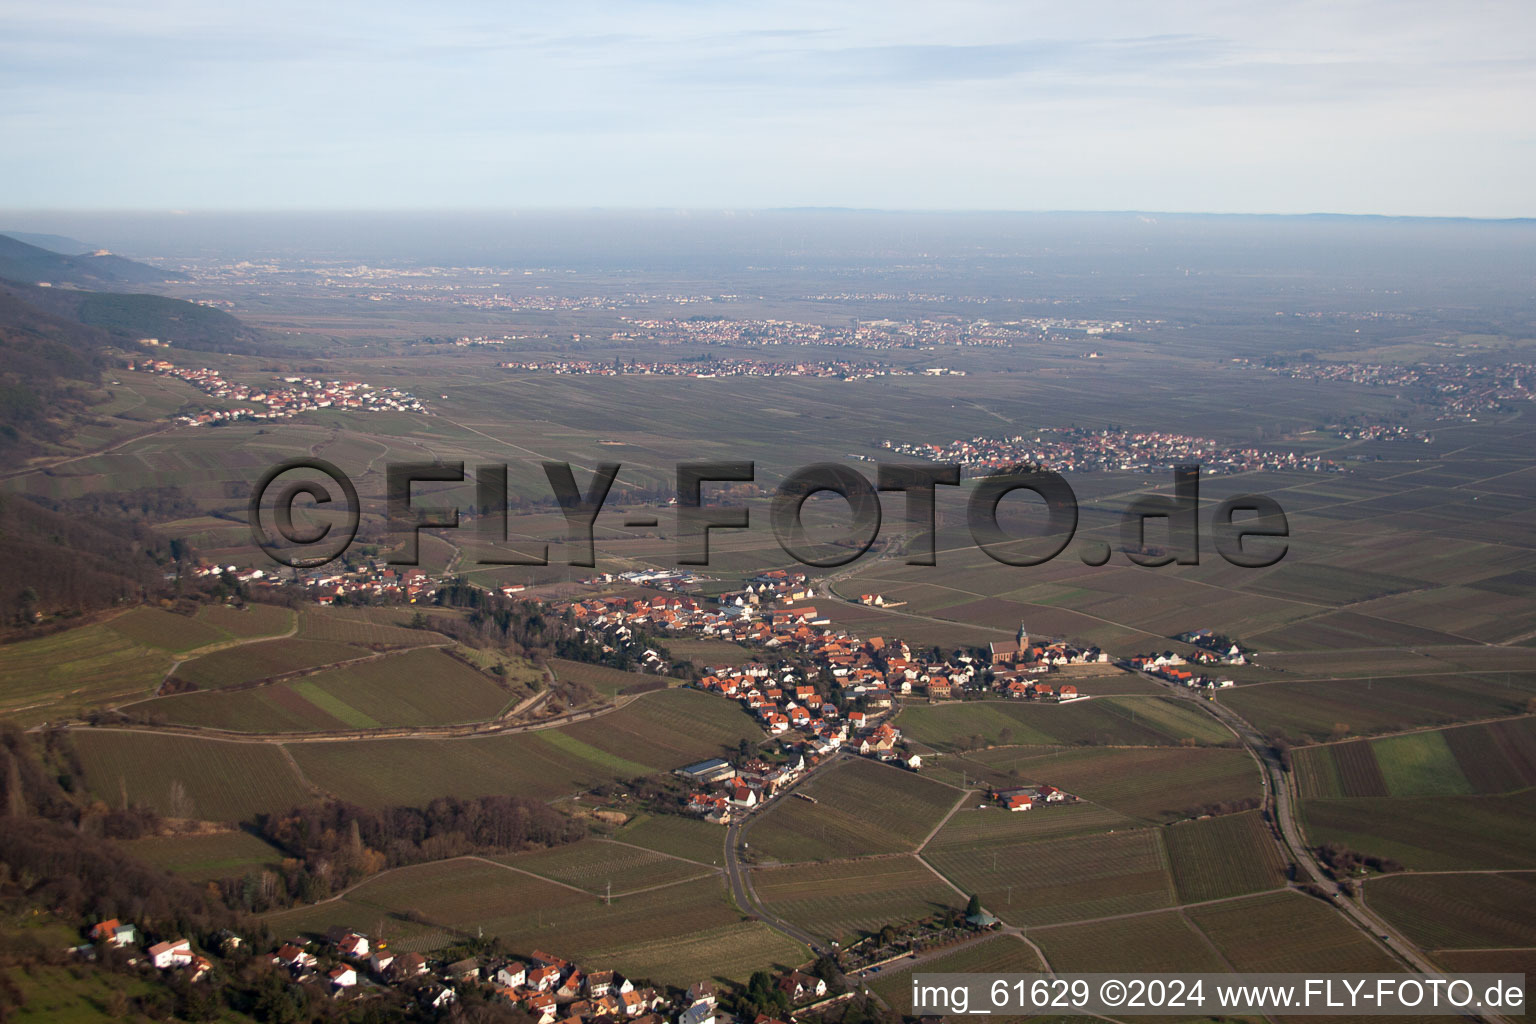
548,988
1170,666
168,955
375,579
286,398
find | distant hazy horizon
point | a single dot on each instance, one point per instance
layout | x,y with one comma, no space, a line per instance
1353,106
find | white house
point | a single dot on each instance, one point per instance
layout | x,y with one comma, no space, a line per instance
353,945
175,953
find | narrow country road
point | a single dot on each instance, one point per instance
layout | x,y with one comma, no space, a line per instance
1282,799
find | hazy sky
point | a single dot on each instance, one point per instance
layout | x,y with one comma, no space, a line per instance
1380,106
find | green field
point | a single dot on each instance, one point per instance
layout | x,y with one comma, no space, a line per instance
153,627
69,995
1151,943
846,899
222,781
1226,856
249,662
352,627
59,675
414,687
248,621
1419,764
668,729
690,838
1477,911
1409,765
1060,880
1102,721
206,857
384,772
683,726
1288,932
595,864
606,681
861,807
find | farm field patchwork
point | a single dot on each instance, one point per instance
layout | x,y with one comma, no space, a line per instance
690,838
1002,954
970,772
1123,720
1311,709
845,899
730,952
250,620
1453,833
389,772
1226,856
183,776
460,897
667,729
1498,757
860,807
349,628
1492,757
1288,932
61,674
1476,911
1061,880
412,687
1495,961
1151,943
594,864
688,726
167,631
982,824
250,662
1149,783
